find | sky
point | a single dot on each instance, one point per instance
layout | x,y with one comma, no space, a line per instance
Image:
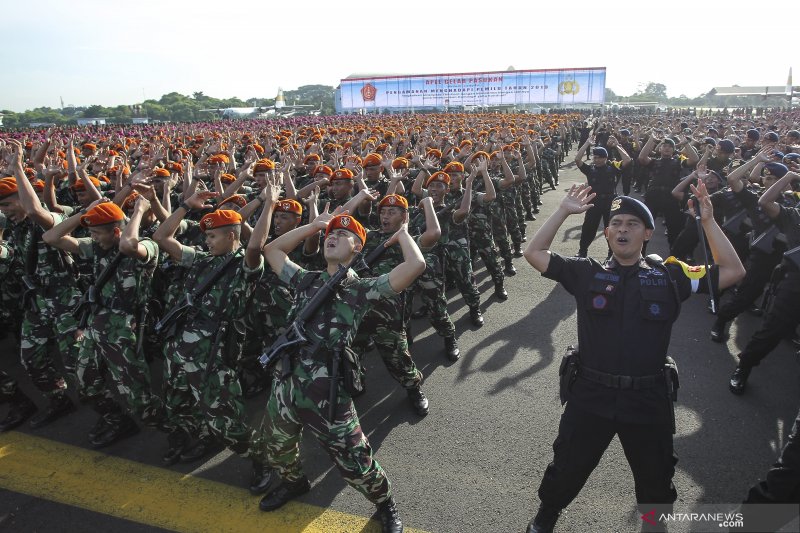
105,53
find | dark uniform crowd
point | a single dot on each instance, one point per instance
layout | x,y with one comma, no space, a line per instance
216,249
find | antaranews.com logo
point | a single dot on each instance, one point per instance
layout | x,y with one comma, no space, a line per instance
722,517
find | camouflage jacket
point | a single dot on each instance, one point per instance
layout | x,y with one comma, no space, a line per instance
335,324
129,288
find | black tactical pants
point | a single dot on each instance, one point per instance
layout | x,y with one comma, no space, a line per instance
583,438
780,320
759,270
600,211
783,479
660,200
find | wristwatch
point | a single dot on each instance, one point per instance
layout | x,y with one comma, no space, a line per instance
185,206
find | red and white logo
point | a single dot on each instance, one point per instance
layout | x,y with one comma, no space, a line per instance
368,92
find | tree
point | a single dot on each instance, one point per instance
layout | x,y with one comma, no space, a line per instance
610,96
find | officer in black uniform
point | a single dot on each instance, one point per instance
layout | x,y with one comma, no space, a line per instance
783,313
626,308
665,173
602,178
766,251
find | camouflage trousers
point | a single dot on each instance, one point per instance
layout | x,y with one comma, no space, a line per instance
525,195
108,348
480,237
201,400
301,401
508,216
547,175
458,266
430,284
385,325
500,232
53,324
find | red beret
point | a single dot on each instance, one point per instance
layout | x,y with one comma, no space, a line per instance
227,178
161,172
8,186
435,153
38,185
438,176
81,186
89,146
263,165
393,200
454,166
400,162
373,159
342,174
311,157
322,169
220,218
289,206
346,222
130,201
237,199
101,214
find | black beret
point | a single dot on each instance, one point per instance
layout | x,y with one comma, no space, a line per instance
625,205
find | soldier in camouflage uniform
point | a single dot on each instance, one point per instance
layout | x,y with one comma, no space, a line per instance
300,398
109,344
385,323
48,301
480,226
203,395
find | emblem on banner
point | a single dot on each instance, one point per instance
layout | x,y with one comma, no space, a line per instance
569,87
368,92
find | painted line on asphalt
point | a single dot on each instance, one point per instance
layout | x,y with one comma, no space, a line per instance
149,495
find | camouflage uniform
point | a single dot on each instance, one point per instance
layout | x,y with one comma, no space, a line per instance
301,398
385,323
480,234
48,311
457,262
11,294
110,338
202,393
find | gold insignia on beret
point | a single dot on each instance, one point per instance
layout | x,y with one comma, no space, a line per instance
616,204
345,221
392,200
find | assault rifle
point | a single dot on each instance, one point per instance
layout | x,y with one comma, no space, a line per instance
185,308
296,332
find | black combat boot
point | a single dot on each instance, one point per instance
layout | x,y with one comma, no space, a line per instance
451,348
476,316
500,291
509,270
518,250
283,493
21,409
718,331
544,521
529,216
60,405
203,447
389,517
263,477
418,400
123,428
739,379
177,440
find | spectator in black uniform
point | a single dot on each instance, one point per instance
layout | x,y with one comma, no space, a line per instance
626,308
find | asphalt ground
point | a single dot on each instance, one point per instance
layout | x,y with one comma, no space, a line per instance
473,464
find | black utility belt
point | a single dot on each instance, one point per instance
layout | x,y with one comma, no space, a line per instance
621,382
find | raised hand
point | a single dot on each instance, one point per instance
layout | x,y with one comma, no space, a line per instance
578,199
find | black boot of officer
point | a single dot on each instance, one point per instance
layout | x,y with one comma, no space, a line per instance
389,517
59,405
544,521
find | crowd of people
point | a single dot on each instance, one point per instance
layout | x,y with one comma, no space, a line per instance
201,245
